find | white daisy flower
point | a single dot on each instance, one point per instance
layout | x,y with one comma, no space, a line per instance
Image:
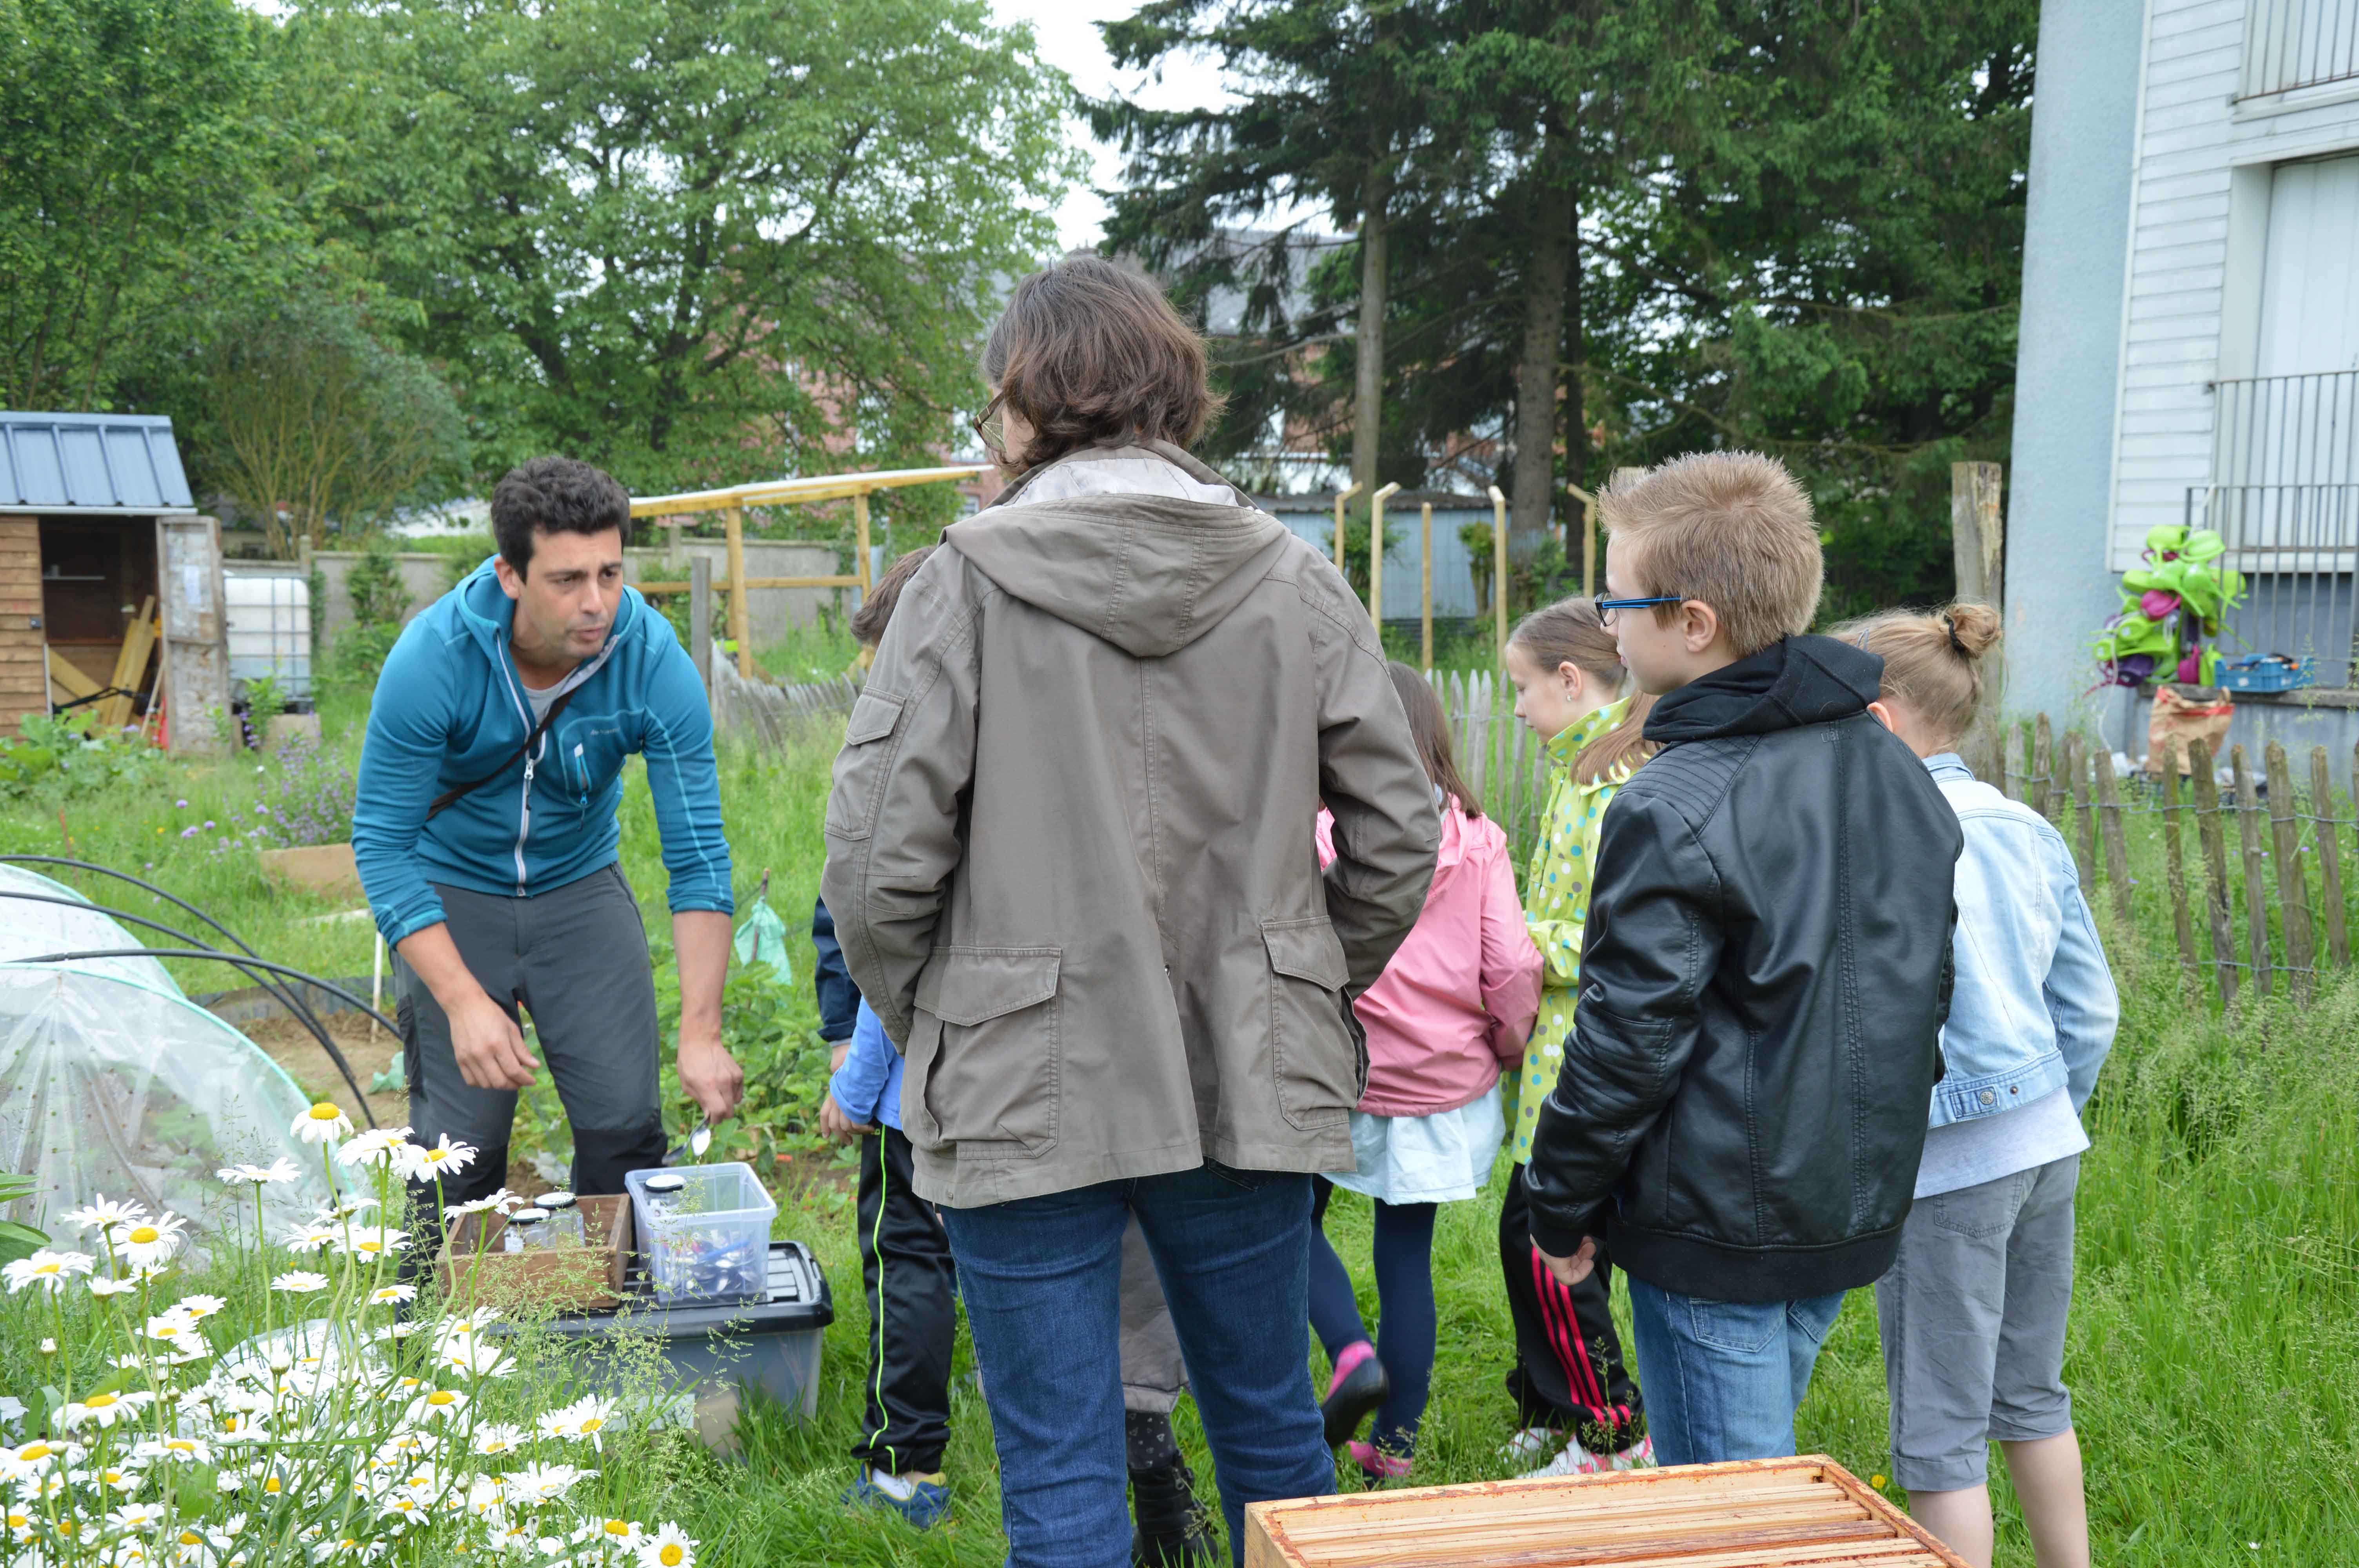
346,1209
299,1281
104,1214
612,1534
379,1147
125,1477
279,1169
443,1158
371,1240
149,1243
20,1519
592,1418
103,1410
466,1326
102,1287
394,1331
668,1547
132,1518
187,1450
475,1359
48,1269
197,1308
502,1200
391,1295
323,1123
498,1437
149,1274
302,1239
435,1404
27,1460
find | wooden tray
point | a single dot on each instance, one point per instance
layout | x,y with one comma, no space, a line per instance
571,1278
1808,1512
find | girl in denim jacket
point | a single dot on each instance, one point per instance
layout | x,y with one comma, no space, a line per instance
1973,1309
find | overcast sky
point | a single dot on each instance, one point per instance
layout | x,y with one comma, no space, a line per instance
1069,41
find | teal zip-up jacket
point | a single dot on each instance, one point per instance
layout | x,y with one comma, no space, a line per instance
451,708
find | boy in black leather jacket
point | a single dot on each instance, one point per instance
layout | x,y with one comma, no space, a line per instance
1741,1105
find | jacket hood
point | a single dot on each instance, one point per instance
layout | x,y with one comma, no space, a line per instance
1793,682
1149,573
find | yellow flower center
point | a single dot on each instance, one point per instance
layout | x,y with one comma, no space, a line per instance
671,1555
142,1235
618,1526
273,1485
190,1538
592,1423
181,1446
434,1156
99,1401
165,1331
326,1110
441,1397
33,1452
49,1269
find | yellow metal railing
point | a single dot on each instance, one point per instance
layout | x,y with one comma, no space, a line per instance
731,502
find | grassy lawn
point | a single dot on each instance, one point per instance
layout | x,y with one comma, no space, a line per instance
2216,1344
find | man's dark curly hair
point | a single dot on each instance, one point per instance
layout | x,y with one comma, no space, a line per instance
554,495
1089,352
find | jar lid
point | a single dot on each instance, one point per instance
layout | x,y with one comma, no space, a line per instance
556,1200
667,1183
528,1217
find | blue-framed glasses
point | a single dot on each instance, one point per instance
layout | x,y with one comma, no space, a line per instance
1607,607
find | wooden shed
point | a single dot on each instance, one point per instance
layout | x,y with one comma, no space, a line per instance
109,582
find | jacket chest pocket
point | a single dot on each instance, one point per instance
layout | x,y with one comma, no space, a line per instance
590,754
991,1018
1317,1050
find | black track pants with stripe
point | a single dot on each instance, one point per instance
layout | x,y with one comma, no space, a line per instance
905,1269
1570,1370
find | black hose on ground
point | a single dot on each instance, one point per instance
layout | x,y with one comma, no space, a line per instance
284,995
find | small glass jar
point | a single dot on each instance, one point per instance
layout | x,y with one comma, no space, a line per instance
528,1230
664,1191
565,1227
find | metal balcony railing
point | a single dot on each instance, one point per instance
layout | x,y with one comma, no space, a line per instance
2282,431
2297,546
2299,43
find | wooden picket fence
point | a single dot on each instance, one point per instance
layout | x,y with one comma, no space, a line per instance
1501,760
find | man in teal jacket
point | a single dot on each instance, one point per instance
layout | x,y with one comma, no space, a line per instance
485,834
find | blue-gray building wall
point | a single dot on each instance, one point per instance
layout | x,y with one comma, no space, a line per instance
2059,587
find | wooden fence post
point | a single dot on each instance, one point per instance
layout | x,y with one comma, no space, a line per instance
2043,772
1499,571
1377,559
2077,764
2176,859
1425,588
2215,868
740,614
2257,886
2327,826
1975,530
2293,882
2109,821
699,619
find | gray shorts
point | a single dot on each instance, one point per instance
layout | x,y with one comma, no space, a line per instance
1972,1313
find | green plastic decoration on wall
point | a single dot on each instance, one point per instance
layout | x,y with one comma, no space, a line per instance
2170,606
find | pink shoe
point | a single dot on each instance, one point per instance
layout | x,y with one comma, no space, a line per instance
1378,1466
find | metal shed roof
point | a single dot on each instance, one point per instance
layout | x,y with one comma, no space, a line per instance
92,463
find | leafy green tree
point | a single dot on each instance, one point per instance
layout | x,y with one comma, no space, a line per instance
133,178
693,239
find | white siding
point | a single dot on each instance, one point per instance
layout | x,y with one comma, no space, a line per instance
2193,133
2310,284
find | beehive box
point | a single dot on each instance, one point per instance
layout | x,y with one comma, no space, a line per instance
570,1279
1758,1513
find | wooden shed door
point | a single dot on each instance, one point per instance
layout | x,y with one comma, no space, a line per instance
24,670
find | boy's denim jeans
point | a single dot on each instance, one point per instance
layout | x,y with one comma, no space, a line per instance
1724,1379
1041,1278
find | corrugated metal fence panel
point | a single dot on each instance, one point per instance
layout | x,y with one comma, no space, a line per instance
60,461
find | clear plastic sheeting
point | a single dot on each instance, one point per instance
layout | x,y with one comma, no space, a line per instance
109,1086
30,929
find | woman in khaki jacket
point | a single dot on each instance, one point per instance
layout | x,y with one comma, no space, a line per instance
1070,860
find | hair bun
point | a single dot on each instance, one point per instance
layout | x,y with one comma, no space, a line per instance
1974,629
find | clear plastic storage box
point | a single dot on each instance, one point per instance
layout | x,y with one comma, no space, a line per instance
708,1241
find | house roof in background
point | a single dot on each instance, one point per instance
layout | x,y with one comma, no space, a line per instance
109,464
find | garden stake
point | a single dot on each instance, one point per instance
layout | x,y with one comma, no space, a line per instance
2180,923
2076,781
2215,868
2328,832
2293,882
2257,887
2109,821
2042,781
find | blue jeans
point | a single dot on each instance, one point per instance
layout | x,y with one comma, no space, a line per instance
1724,1379
1041,1278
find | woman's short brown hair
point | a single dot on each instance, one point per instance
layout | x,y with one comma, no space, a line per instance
1089,352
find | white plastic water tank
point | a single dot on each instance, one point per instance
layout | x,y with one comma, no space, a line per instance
269,625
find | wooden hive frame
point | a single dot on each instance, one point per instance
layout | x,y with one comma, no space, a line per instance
1806,1512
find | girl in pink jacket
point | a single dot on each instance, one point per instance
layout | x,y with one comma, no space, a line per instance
1457,1001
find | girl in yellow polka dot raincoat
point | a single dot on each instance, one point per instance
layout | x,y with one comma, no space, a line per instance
1570,1376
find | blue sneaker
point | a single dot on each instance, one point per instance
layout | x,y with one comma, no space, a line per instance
926,1501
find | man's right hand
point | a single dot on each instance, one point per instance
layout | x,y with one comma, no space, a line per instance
488,1044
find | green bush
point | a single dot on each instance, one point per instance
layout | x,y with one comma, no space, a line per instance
57,757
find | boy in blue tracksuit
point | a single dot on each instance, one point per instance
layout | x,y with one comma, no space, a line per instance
485,834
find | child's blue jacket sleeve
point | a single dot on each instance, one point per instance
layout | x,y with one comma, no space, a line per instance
860,1085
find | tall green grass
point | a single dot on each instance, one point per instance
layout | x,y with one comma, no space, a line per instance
2214,1352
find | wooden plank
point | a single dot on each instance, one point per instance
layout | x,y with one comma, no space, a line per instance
2256,889
2327,833
62,673
2076,785
2293,882
2117,856
2182,923
2215,868
2045,797
130,666
740,629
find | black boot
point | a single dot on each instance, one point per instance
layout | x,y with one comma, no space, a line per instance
1172,1531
